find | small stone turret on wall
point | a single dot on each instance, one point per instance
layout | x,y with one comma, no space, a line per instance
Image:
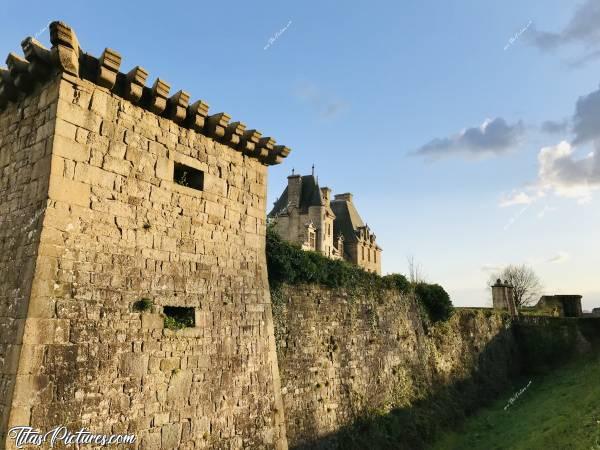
503,297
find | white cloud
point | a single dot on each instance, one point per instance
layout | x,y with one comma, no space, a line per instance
327,106
562,173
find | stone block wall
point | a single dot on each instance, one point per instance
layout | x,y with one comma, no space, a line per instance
26,132
342,357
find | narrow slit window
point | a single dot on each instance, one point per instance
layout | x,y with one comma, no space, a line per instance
312,240
177,317
188,176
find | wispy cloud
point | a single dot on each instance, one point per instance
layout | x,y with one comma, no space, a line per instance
492,268
559,258
555,127
493,137
582,29
326,105
517,198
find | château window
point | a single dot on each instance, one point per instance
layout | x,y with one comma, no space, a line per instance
362,253
312,239
369,254
375,256
188,176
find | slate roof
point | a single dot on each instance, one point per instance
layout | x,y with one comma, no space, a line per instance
310,195
347,220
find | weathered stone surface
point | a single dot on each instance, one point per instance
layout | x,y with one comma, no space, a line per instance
108,68
91,199
340,357
24,175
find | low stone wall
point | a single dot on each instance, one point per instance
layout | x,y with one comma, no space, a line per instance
546,341
344,359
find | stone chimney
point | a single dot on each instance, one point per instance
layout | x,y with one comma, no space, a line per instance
346,196
326,193
294,190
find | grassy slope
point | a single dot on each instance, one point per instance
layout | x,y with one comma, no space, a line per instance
559,411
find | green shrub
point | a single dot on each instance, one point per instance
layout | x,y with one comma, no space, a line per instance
172,323
436,301
176,318
143,304
397,281
288,263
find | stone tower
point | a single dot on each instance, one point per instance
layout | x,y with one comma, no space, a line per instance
133,286
503,297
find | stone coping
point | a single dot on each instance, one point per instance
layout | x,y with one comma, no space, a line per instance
66,56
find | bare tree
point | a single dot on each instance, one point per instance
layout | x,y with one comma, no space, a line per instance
415,271
526,284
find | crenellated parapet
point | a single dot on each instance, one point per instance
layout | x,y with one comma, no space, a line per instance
39,64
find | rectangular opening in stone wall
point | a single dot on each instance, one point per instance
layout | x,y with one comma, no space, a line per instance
177,317
188,176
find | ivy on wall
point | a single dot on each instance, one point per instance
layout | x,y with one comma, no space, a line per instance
288,264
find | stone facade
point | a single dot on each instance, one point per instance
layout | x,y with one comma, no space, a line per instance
113,194
303,215
360,243
306,214
26,134
341,358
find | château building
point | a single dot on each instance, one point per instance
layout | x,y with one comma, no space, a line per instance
306,214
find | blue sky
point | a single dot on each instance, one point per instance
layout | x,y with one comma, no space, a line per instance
424,109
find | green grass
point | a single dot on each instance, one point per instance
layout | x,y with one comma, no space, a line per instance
560,410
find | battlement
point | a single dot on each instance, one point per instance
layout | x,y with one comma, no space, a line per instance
67,57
